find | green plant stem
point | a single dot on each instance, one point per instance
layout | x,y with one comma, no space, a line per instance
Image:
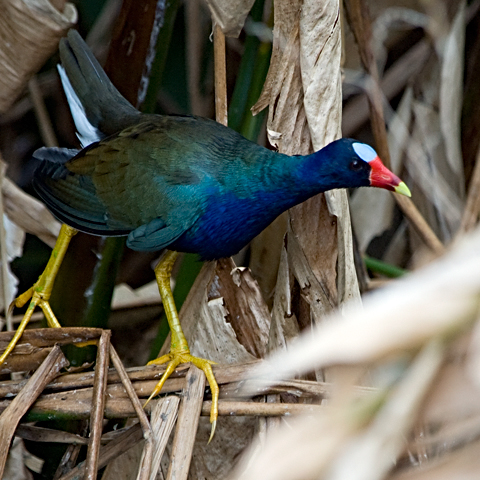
250,79
383,268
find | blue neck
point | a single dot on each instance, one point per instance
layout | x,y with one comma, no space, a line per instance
233,218
305,176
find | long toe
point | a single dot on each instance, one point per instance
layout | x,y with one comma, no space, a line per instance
206,367
171,366
175,359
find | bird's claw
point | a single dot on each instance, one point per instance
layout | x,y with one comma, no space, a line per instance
212,431
175,359
38,298
22,299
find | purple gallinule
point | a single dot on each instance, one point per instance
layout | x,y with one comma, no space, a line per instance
180,183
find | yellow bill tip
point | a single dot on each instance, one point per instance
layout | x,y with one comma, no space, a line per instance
403,189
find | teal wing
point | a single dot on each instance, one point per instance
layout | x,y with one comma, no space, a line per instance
155,235
72,198
152,181
134,181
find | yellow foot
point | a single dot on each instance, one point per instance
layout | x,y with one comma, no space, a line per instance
175,359
39,294
37,298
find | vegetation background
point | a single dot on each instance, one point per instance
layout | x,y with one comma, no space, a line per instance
404,74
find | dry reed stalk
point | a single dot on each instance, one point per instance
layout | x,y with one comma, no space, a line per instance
164,415
144,378
221,111
359,19
76,400
43,120
194,40
77,386
109,452
19,406
472,206
357,111
147,457
77,406
41,434
98,405
4,256
34,344
69,458
187,424
259,409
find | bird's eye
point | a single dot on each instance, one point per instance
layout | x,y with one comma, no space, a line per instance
355,165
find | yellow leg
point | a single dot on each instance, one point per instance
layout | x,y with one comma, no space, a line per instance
39,294
179,349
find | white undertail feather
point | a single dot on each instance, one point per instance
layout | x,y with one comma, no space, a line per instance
86,132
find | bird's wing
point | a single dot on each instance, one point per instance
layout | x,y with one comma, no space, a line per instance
139,180
72,198
155,235
142,173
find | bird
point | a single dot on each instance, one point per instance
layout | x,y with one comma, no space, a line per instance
178,183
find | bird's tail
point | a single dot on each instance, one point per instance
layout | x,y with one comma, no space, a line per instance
91,95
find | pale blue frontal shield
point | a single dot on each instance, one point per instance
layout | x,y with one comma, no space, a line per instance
364,151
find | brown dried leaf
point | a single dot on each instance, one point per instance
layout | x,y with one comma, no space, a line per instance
320,53
231,310
284,326
126,297
125,466
231,15
306,58
163,420
247,312
280,457
232,436
347,281
451,97
265,254
444,207
440,299
30,31
434,153
463,463
320,57
287,127
311,266
16,468
14,239
369,455
187,424
29,214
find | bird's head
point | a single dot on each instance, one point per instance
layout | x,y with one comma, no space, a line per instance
350,163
